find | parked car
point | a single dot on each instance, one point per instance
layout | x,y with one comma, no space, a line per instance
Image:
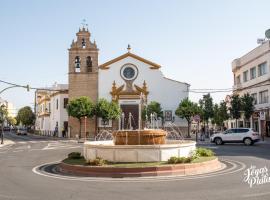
236,135
6,128
22,131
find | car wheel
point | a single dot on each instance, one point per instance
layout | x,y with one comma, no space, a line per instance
248,141
218,141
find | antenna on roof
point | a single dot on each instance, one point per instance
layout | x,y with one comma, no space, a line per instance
267,34
267,37
260,40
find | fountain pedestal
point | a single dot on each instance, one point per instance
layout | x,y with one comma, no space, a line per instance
139,137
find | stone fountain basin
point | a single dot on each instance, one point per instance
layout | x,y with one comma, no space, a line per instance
138,153
139,137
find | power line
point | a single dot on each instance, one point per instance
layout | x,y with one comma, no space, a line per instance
32,88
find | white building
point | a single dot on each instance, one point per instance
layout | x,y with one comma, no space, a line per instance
126,77
51,111
251,75
11,109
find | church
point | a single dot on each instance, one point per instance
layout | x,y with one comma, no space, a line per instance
123,79
126,80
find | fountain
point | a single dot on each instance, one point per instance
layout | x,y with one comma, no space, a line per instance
150,144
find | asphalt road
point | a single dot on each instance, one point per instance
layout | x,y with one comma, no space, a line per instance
18,181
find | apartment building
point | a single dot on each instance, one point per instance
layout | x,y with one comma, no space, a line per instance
252,75
51,111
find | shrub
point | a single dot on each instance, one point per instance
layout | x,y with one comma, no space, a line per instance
172,160
204,152
74,155
178,160
97,162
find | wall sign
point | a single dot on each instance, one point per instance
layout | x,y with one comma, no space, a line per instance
168,115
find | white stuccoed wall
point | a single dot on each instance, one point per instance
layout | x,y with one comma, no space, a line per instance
163,90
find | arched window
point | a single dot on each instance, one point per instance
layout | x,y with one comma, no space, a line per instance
89,64
77,64
83,43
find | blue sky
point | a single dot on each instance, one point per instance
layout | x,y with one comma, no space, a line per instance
194,41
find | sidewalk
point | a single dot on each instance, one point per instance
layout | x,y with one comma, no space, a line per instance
266,141
6,142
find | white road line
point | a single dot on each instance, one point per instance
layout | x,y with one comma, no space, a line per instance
17,151
256,195
144,179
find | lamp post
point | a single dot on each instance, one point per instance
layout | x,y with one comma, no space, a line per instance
85,117
2,129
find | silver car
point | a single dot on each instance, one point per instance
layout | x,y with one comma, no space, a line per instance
22,131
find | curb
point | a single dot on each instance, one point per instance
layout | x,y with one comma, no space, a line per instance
7,142
120,172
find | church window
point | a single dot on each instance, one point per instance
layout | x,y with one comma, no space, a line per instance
56,104
77,64
89,64
83,43
129,72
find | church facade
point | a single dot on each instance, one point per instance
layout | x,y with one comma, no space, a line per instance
125,80
129,80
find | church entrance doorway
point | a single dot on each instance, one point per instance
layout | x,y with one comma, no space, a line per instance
134,110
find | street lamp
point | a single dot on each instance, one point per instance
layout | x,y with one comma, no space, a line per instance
85,117
2,131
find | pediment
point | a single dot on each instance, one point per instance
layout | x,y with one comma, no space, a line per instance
128,54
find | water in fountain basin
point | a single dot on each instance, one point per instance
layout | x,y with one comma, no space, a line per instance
104,135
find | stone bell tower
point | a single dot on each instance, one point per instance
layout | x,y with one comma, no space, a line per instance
83,76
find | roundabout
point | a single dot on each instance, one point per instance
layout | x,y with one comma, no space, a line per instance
31,174
52,170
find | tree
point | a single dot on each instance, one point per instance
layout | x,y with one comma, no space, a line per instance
79,108
3,114
206,105
26,116
11,121
220,113
223,111
236,106
186,110
153,107
247,105
217,118
107,110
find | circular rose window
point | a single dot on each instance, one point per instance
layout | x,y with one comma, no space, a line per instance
129,72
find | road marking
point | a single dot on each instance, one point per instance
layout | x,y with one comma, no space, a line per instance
17,151
256,195
223,171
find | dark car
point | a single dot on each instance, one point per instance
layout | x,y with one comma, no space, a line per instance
6,128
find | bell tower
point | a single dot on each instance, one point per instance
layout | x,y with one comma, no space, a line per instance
83,75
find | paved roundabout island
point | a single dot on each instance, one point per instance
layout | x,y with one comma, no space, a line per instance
22,179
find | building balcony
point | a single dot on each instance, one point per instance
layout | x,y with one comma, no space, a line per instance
236,64
237,86
42,114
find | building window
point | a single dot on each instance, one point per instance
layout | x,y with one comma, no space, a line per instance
49,107
252,73
238,80
263,97
262,69
89,64
77,64
255,99
65,102
56,104
245,76
83,43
